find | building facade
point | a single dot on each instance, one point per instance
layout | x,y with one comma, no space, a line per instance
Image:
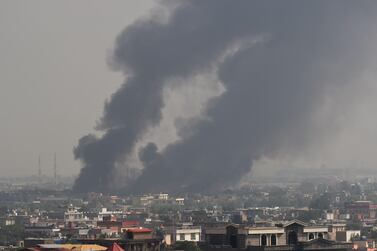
241,237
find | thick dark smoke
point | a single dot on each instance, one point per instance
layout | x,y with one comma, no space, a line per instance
272,88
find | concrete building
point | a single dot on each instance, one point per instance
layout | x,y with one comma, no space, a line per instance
290,233
163,196
347,235
335,228
42,230
139,233
180,201
105,214
192,234
361,209
182,233
7,221
73,215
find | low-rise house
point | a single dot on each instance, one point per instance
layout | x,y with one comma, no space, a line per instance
105,214
139,233
180,201
163,196
192,234
290,234
42,230
361,209
74,217
347,235
7,221
78,247
335,228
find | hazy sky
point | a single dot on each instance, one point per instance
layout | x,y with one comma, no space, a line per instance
54,77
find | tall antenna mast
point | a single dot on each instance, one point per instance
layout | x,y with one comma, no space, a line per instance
55,170
39,170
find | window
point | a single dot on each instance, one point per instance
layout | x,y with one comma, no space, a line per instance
263,240
182,237
311,236
320,236
273,240
193,237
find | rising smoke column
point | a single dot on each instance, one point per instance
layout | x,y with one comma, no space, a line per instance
149,52
272,89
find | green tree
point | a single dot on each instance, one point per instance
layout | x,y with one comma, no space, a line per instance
10,235
322,202
355,224
186,246
310,215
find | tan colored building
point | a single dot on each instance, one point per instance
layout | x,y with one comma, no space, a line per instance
183,233
293,232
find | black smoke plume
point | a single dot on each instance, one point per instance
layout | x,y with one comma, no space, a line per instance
307,49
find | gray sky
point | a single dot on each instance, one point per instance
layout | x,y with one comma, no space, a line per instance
51,54
54,80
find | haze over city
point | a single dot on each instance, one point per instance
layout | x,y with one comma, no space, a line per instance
195,125
163,94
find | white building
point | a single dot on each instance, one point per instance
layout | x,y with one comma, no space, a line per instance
347,235
183,233
74,215
180,201
192,234
104,212
163,196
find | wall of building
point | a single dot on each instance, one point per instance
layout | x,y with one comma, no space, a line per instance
141,236
188,237
347,235
255,239
215,239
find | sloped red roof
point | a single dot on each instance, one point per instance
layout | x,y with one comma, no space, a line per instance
115,247
34,249
130,223
139,230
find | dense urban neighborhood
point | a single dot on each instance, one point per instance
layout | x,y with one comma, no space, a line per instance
331,213
192,125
